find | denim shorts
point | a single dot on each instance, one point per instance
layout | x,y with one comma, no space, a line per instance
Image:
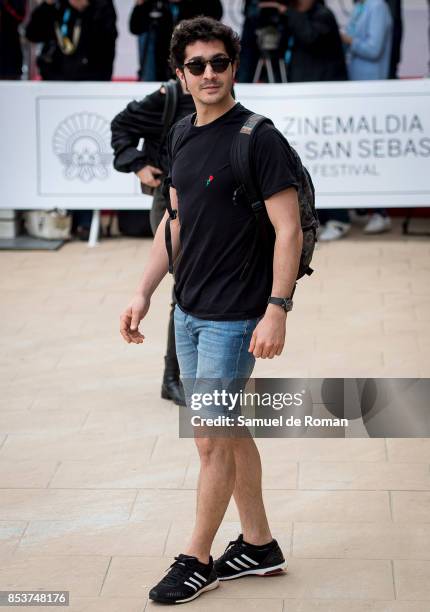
213,356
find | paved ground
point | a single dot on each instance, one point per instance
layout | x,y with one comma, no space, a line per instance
97,491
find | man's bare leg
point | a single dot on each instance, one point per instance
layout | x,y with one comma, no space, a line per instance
248,493
214,491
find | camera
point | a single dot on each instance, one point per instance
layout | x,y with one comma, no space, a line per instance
158,9
269,29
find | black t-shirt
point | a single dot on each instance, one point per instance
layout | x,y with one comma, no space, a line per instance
216,235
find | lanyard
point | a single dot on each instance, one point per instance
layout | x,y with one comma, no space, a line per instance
66,18
175,12
289,52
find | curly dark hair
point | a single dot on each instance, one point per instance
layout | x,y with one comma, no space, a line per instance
206,29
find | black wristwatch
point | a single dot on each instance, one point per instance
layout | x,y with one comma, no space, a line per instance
285,303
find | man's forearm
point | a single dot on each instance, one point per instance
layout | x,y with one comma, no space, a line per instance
286,260
158,263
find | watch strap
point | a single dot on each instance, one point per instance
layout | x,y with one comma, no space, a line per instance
285,303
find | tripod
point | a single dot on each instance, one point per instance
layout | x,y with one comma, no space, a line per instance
269,40
266,62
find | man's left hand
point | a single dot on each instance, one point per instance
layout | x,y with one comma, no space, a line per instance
268,338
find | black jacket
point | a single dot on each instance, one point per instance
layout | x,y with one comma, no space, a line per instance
12,13
192,8
396,52
318,53
162,27
143,119
94,56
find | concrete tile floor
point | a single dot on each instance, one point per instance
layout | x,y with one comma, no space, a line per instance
97,491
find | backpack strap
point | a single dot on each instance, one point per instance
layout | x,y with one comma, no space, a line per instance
241,161
170,107
172,216
177,135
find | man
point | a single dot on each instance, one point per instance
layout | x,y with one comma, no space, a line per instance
223,320
144,119
257,17
12,14
78,39
369,40
315,53
153,22
314,48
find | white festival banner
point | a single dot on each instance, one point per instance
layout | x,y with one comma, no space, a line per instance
366,144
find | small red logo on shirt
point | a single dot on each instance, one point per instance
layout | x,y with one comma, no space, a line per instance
209,181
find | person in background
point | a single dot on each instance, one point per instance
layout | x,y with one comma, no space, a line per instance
144,119
369,43
315,53
368,39
12,13
153,22
396,49
310,41
249,52
78,39
257,16
314,49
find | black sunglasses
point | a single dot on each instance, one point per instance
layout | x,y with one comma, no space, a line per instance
218,65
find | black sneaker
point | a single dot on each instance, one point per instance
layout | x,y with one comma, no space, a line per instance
242,559
186,580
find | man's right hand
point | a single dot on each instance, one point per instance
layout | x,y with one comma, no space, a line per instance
131,317
148,176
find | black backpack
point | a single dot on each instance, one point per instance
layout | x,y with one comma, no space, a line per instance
242,166
169,112
241,163
136,223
